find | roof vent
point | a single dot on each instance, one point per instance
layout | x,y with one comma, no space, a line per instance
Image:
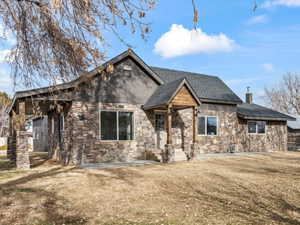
127,68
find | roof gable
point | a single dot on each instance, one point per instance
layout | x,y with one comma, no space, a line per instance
169,92
207,88
68,85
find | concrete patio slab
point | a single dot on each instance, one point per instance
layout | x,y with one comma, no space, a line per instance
119,164
215,155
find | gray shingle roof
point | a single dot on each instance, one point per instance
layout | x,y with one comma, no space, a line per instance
207,88
165,92
294,124
253,111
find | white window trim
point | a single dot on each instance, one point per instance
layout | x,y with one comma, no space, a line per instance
117,115
207,135
256,133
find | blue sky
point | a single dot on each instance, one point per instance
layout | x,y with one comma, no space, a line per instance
242,47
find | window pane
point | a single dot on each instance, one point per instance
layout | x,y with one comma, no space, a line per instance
159,122
211,125
201,125
261,127
125,126
108,125
61,122
252,127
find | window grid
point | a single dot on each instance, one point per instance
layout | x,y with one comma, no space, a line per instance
205,125
117,120
160,121
256,127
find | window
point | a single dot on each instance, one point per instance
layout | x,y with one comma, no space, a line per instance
159,122
116,125
207,125
125,126
257,127
62,122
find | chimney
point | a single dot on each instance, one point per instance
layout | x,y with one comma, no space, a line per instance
249,96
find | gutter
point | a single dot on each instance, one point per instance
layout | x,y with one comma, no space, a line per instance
265,118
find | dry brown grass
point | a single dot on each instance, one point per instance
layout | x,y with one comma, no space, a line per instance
233,190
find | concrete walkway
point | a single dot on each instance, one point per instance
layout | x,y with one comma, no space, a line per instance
216,155
148,162
119,164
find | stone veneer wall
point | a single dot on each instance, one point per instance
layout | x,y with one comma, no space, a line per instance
227,129
82,142
275,138
22,150
182,129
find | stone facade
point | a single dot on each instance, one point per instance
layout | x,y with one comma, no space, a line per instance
275,138
80,142
22,156
226,130
128,88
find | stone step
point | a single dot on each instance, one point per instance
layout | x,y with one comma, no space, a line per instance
180,155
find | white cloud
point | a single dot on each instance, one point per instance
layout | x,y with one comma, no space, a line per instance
268,67
288,3
180,41
258,19
4,55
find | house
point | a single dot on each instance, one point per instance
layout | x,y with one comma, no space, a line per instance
126,110
294,133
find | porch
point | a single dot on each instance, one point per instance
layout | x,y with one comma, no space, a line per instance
31,108
170,100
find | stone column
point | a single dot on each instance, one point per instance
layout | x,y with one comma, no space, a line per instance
22,158
11,148
169,153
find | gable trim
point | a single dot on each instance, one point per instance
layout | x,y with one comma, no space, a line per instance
80,79
190,89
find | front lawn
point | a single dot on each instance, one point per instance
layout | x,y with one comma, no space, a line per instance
256,189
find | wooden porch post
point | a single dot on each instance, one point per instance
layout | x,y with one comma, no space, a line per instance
169,125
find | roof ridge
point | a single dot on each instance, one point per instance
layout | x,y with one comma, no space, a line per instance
191,73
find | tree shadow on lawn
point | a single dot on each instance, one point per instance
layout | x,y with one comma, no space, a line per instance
5,164
243,202
54,209
263,166
48,207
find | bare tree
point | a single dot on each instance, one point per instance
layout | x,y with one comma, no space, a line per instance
285,97
4,103
60,39
57,40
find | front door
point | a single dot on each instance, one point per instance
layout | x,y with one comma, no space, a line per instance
160,129
40,134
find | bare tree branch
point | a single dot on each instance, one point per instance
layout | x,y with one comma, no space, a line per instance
285,97
60,39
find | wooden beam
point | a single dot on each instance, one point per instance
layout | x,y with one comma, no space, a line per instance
169,125
194,124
